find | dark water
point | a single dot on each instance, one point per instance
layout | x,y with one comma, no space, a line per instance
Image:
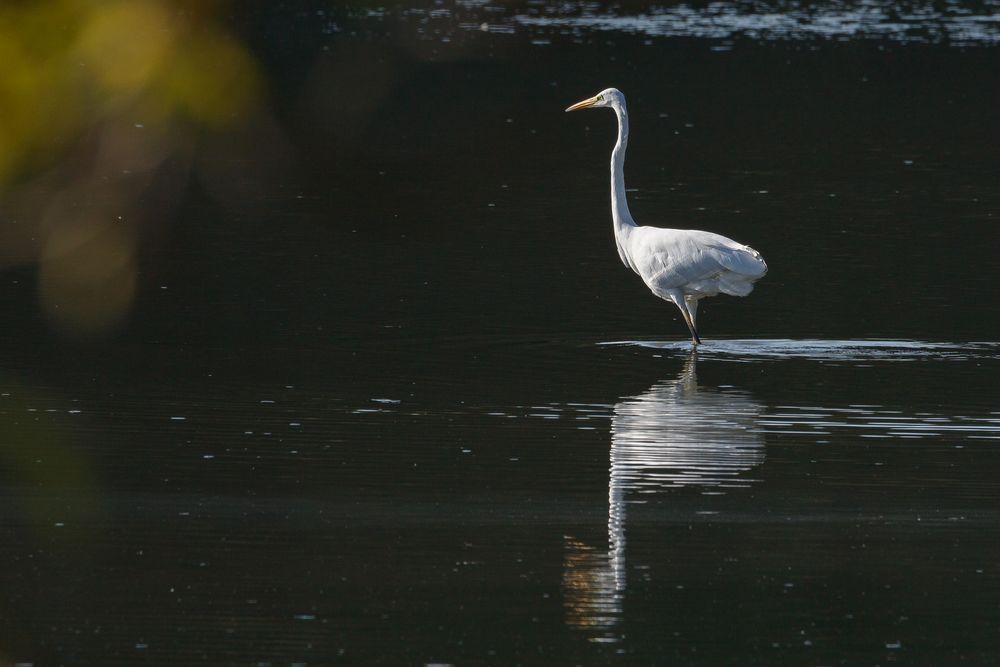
387,396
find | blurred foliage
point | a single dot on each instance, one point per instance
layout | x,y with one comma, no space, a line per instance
95,97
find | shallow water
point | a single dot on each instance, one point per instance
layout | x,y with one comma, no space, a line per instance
401,403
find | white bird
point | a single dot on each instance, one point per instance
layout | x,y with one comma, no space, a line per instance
678,265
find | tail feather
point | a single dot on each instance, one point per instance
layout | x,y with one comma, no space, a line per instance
746,262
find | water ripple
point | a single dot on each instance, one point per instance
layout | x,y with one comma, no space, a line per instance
722,22
879,422
676,434
910,23
827,350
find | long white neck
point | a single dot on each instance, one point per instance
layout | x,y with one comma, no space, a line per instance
620,215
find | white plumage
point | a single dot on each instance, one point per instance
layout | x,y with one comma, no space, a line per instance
678,265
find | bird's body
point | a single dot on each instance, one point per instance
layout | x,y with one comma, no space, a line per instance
678,265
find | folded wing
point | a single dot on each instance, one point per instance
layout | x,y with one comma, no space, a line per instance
696,262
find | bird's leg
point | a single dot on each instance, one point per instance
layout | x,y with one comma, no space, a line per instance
691,308
695,340
688,321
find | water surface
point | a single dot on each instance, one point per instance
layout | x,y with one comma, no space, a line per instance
398,402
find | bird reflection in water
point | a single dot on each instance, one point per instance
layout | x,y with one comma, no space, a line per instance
675,434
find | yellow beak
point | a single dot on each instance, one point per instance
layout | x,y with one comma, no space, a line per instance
584,104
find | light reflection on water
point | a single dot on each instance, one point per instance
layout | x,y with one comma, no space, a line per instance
678,434
878,422
827,350
951,23
675,434
919,22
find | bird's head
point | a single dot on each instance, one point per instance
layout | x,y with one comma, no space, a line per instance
610,97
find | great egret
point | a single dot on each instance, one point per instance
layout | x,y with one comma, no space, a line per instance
678,265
